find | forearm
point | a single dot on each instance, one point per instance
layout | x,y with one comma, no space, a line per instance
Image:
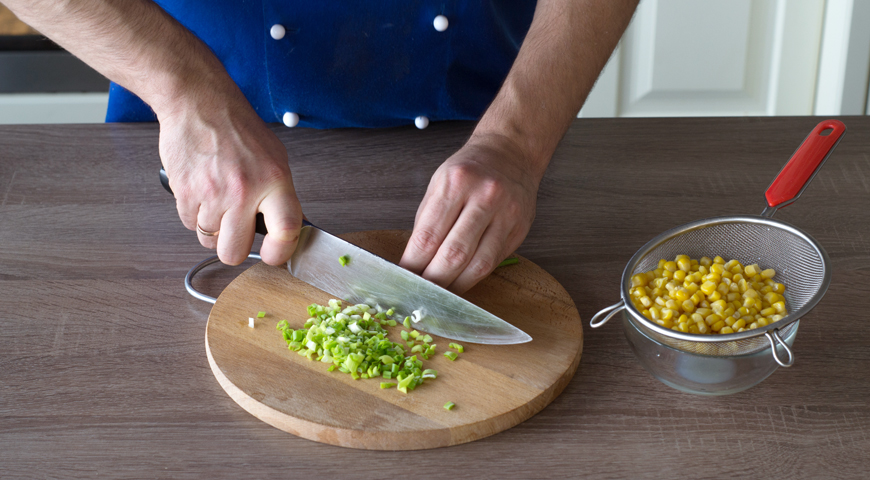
134,43
565,49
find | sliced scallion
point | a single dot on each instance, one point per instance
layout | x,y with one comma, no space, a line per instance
451,356
509,261
449,405
343,260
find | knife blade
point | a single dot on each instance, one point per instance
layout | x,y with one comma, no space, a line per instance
370,279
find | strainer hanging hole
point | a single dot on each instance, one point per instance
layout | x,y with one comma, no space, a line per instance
619,306
774,334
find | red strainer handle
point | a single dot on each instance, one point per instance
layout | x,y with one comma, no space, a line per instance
803,165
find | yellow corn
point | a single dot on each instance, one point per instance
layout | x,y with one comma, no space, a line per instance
684,264
688,306
681,295
708,295
665,323
708,288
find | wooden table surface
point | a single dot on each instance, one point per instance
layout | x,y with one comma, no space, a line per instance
102,362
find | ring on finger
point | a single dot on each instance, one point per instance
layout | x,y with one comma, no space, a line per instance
206,233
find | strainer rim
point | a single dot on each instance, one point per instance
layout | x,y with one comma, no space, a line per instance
704,223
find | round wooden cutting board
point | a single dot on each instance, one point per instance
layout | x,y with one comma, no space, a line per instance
493,387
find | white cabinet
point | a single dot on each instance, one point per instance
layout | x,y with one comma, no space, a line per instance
738,57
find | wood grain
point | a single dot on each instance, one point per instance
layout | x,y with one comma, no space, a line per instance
103,369
494,387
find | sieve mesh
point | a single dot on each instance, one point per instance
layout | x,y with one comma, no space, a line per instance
800,264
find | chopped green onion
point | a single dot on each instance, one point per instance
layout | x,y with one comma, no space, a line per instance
261,314
343,260
390,312
509,261
426,339
387,384
451,356
457,347
414,334
449,405
407,322
353,341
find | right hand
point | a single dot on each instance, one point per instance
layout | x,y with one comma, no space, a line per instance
225,165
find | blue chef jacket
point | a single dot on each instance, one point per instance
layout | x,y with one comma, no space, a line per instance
342,63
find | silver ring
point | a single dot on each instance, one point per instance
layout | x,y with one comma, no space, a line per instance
205,233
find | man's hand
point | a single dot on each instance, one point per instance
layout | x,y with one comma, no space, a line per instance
481,201
224,166
223,163
477,210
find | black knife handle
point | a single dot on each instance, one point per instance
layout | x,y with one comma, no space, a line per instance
261,222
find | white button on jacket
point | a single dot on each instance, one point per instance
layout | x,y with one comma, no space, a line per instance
440,23
277,31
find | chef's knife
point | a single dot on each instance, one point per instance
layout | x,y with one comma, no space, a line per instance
369,279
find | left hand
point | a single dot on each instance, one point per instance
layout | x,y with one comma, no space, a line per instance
477,210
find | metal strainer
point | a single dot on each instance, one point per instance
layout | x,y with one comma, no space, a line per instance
800,262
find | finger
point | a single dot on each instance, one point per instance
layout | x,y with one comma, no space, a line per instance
490,251
236,236
188,212
435,217
459,247
209,221
283,216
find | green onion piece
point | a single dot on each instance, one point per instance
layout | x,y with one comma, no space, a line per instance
426,339
404,335
404,383
457,347
331,368
449,405
417,349
509,261
414,334
391,323
407,322
343,260
387,384
451,356
261,314
429,373
390,312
